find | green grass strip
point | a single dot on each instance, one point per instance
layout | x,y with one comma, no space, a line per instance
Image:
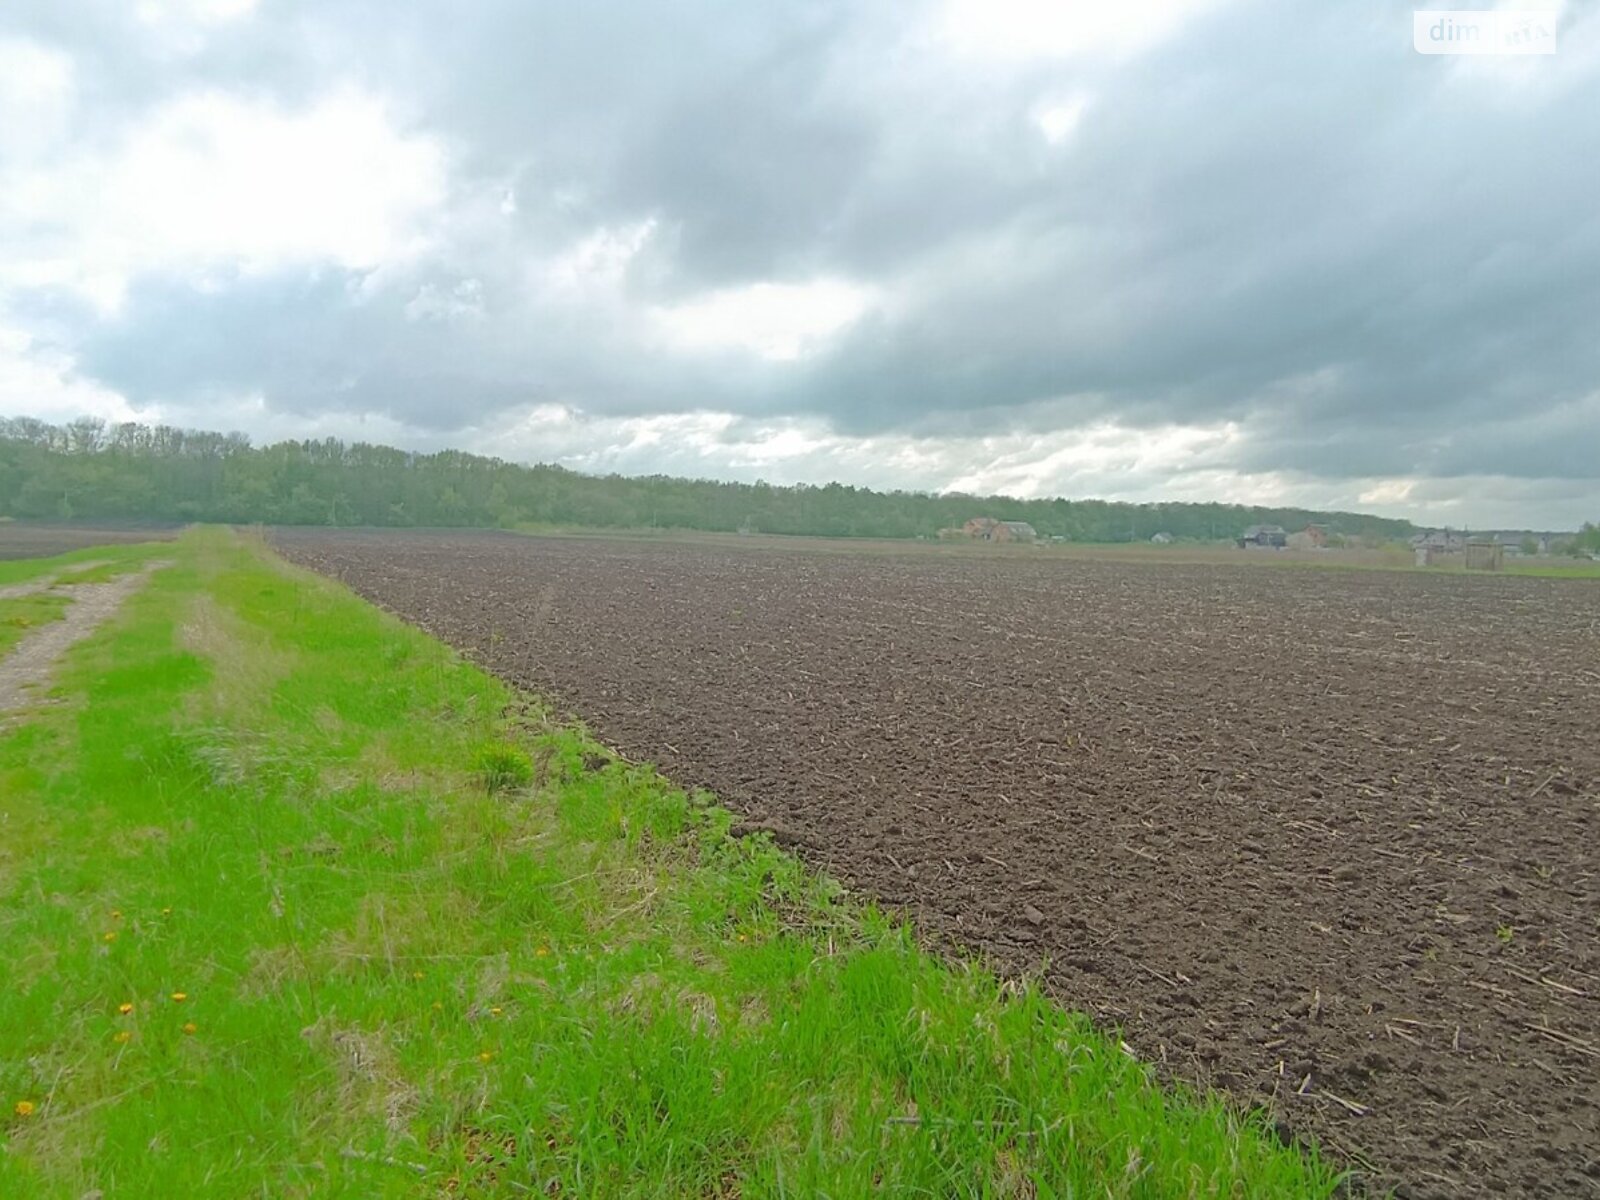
20,616
95,564
295,902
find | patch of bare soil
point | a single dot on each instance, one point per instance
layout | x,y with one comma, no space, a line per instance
1325,839
30,661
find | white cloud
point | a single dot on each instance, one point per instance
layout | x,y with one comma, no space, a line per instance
1107,460
251,414
36,89
433,303
775,321
1058,120
599,261
1019,30
1388,492
1031,466
214,182
37,381
208,12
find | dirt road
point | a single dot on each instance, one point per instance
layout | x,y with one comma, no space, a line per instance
28,666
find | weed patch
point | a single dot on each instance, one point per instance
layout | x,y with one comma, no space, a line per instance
502,767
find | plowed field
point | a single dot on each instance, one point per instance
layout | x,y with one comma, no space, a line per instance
1327,839
29,539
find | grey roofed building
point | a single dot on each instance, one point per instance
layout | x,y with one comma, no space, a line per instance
1264,535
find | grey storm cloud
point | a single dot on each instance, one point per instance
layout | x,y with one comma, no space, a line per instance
1379,264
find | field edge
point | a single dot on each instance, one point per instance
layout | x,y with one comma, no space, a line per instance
606,915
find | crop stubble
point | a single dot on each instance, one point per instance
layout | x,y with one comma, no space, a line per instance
1323,838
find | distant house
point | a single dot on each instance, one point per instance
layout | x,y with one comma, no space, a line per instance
1438,546
1014,531
988,529
1525,541
1162,539
1445,541
1312,537
1259,537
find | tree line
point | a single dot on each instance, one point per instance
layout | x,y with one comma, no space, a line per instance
89,469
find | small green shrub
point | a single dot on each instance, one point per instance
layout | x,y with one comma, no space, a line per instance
504,768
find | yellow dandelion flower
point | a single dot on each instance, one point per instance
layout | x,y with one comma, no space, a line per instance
190,1027
179,997
116,914
418,975
23,1108
541,951
496,1011
121,1036
124,1008
110,935
486,1056
166,912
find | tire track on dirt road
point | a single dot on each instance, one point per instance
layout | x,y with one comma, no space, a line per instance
32,587
30,663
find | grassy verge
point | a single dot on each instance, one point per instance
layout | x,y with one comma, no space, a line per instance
1555,569
24,570
94,565
19,615
294,902
103,572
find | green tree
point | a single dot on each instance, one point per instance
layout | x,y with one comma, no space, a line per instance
159,473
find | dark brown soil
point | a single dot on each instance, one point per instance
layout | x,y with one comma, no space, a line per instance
45,539
1326,839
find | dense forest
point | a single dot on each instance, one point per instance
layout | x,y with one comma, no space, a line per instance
88,469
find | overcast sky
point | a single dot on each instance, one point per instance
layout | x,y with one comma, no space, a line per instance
1257,250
